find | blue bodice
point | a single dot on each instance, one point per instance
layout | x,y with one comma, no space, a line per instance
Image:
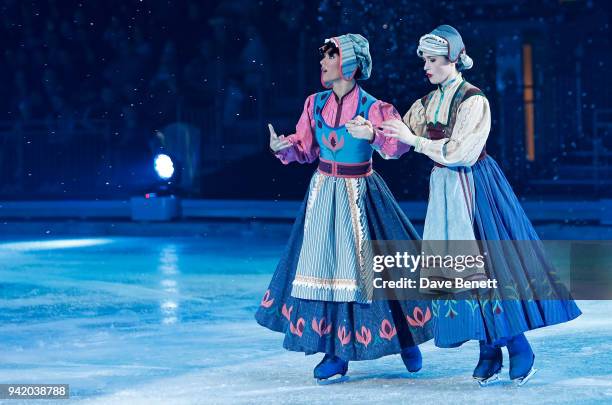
336,144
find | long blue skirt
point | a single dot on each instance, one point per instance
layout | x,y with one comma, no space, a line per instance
349,330
493,316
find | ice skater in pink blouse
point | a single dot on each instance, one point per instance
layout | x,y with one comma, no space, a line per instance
319,296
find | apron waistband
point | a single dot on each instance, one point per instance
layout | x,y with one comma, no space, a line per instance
337,169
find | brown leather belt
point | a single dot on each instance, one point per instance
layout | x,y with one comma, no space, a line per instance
345,169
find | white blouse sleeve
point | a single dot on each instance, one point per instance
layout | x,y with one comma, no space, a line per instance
468,138
415,119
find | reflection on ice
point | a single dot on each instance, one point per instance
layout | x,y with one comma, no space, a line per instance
168,266
53,244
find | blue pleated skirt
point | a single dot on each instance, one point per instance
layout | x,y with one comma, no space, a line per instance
349,330
491,315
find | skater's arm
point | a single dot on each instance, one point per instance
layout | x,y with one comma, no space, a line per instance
302,146
410,129
468,138
415,119
387,147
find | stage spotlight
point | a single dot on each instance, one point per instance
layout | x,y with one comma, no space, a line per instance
164,166
159,202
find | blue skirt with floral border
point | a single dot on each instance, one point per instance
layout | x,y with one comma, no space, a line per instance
492,316
349,330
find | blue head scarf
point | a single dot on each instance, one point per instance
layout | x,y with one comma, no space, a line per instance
354,52
446,41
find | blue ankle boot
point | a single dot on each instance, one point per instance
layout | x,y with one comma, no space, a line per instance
489,365
331,369
411,356
521,359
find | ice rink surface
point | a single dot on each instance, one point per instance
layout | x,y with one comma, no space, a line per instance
170,321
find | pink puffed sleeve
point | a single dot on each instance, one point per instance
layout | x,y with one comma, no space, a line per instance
305,148
387,147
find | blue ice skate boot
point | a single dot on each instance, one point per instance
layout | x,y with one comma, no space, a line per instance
489,364
411,356
332,369
521,359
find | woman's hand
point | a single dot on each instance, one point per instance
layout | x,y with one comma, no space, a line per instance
278,143
360,128
397,129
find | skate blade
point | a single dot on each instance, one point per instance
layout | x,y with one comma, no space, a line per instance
523,380
336,379
485,382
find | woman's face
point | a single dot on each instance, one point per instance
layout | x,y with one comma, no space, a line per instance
330,67
437,68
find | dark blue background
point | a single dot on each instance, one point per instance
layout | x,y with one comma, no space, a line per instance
87,84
